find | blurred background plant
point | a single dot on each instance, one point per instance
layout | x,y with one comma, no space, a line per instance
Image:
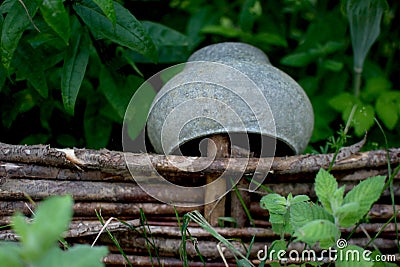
66,80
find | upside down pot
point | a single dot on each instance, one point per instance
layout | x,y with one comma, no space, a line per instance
231,88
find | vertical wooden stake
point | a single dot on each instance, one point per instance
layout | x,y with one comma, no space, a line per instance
219,146
237,210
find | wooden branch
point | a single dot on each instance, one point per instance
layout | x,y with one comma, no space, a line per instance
218,146
111,161
15,189
118,259
7,208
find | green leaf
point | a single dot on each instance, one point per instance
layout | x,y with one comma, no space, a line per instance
225,31
163,35
6,6
352,256
75,62
266,38
107,6
345,212
3,75
342,102
22,101
51,219
66,140
365,194
172,45
204,15
364,19
277,245
15,23
325,187
250,11
28,63
136,114
118,93
300,59
128,31
332,65
34,139
363,119
386,107
323,231
374,87
338,195
274,203
243,263
77,256
9,254
299,199
303,213
55,15
375,255
97,127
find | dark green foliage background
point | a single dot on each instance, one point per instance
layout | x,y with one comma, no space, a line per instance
69,83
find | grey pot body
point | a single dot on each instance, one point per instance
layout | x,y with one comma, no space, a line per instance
230,88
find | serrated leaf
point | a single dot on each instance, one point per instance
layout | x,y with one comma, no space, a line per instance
127,32
28,63
345,212
363,119
56,16
276,218
52,218
365,194
386,107
323,231
75,62
299,199
274,203
107,6
15,23
325,187
303,213
338,195
365,20
277,245
352,256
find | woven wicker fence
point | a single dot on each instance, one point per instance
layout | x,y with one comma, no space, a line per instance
99,180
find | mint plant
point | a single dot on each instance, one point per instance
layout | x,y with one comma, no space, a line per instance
38,246
320,222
